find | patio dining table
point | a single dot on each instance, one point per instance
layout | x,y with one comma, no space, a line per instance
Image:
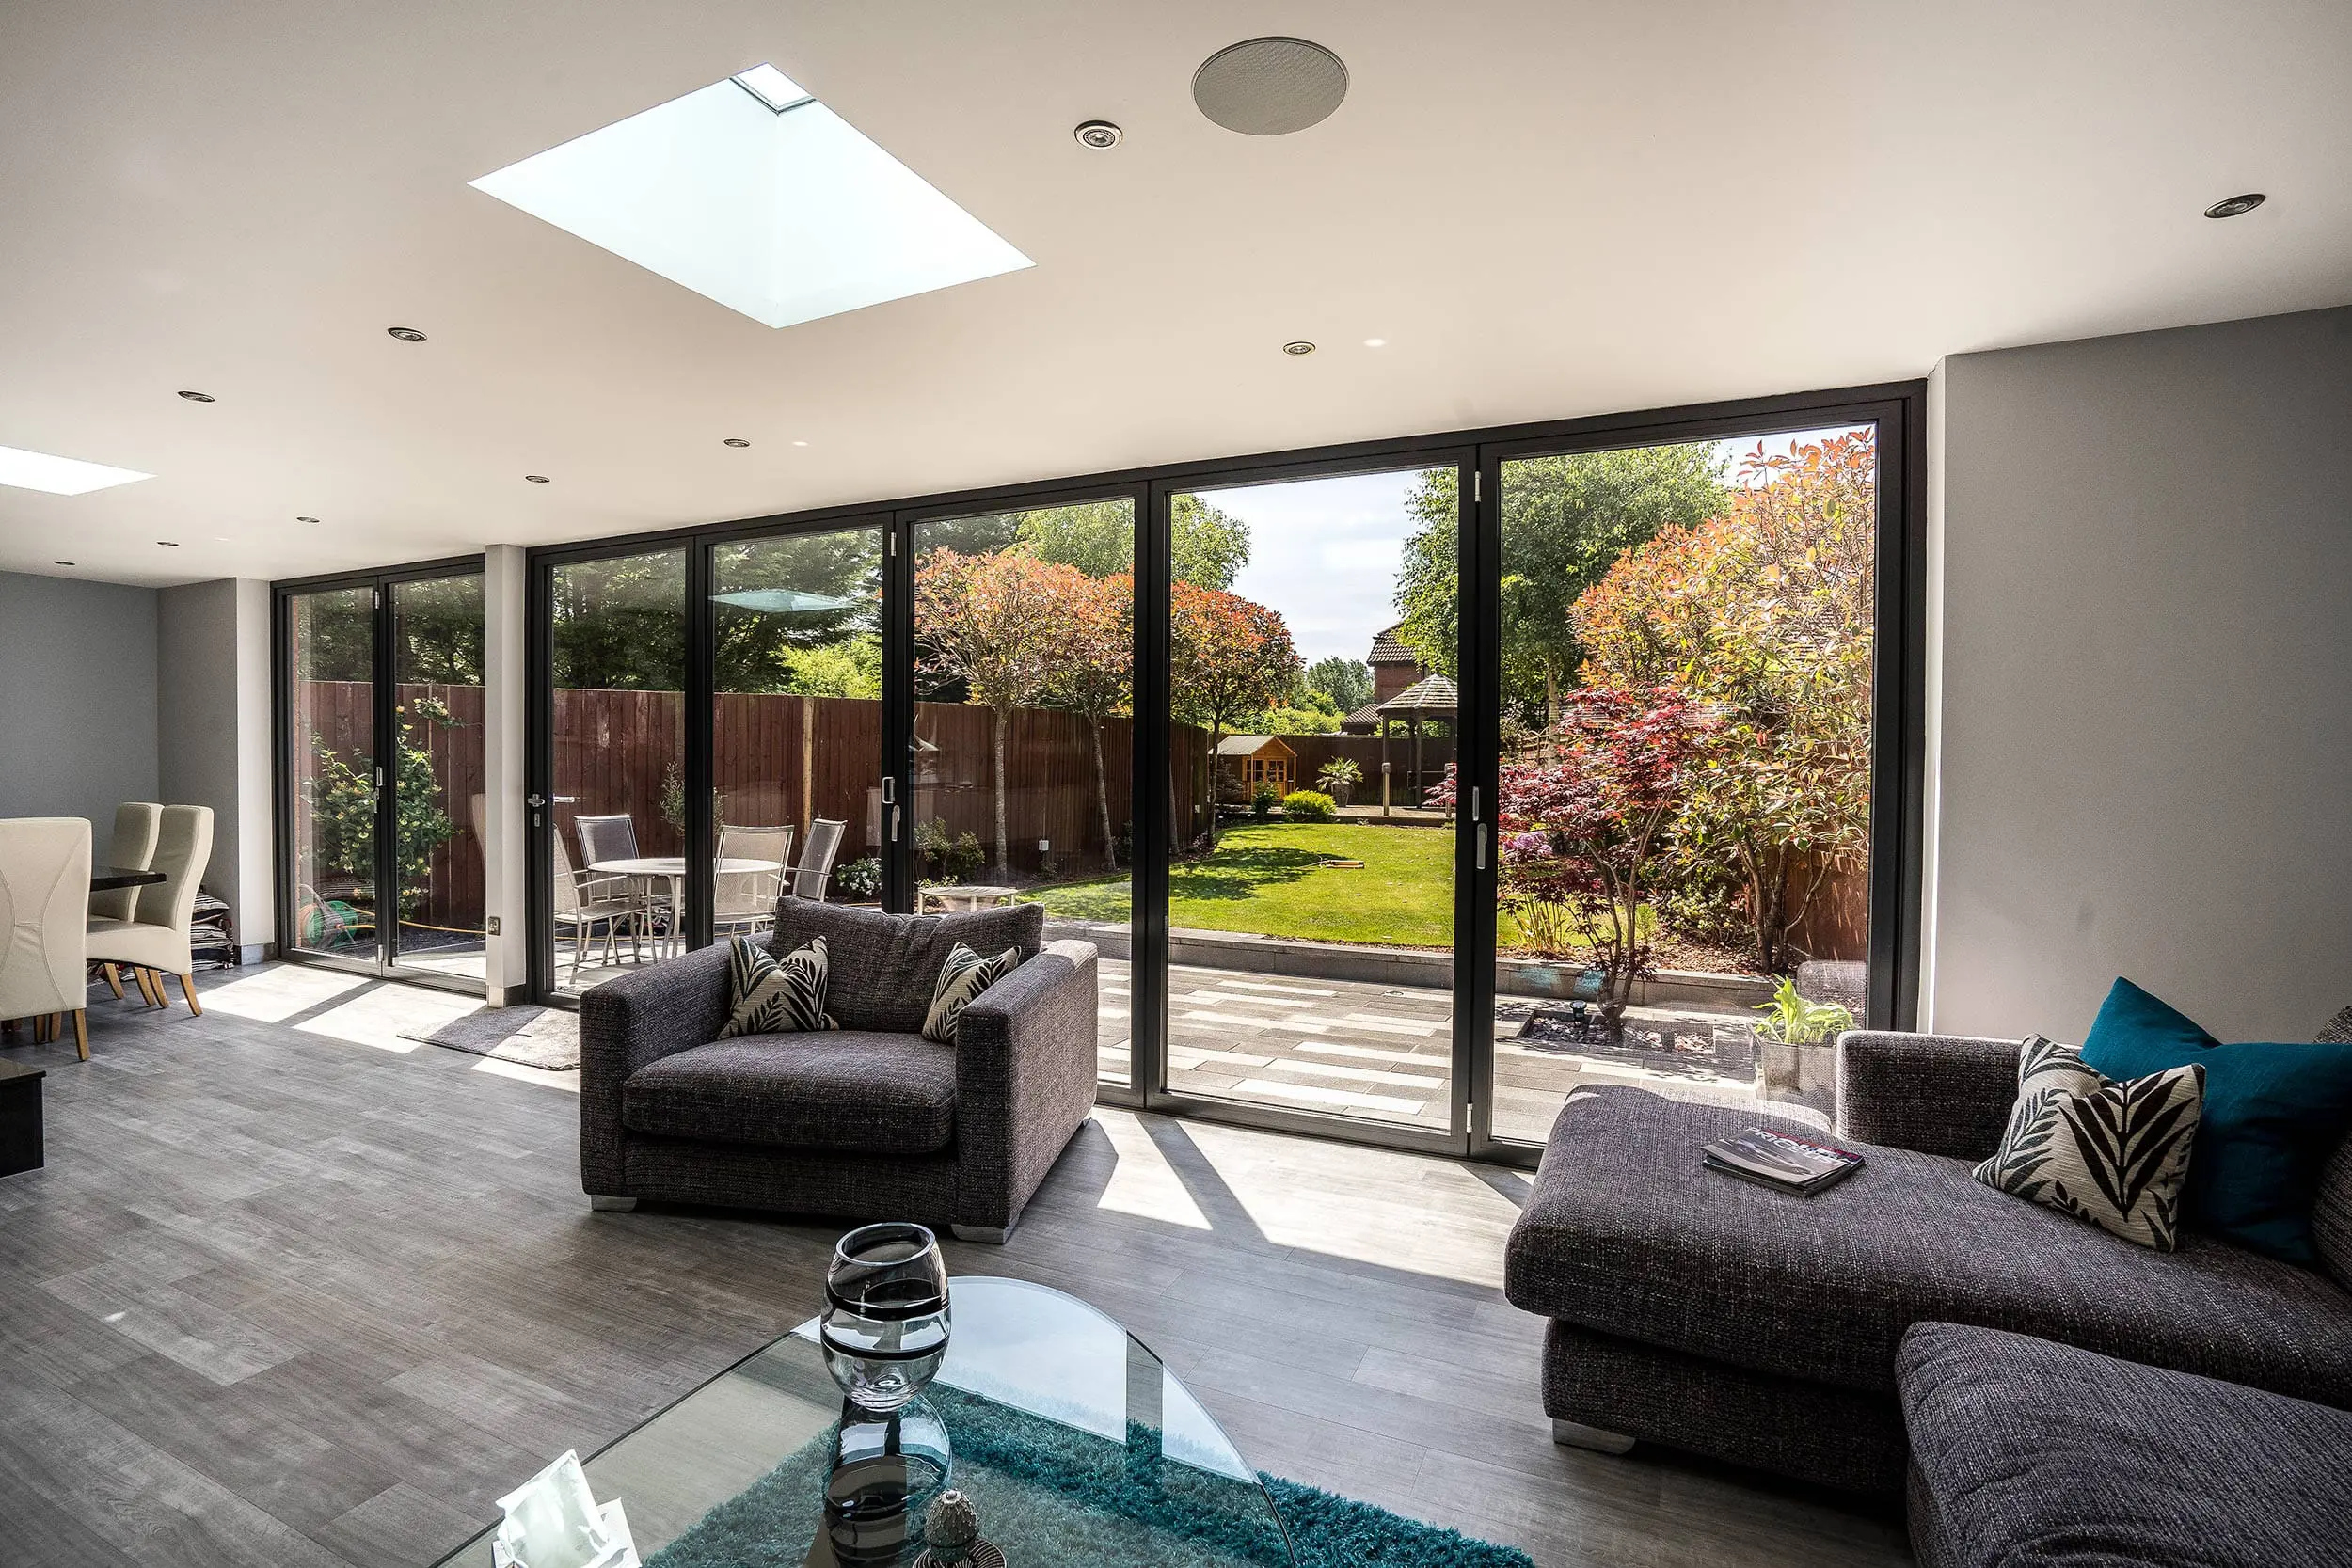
671,869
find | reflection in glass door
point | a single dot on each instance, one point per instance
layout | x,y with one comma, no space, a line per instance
1024,741
1312,634
615,810
1685,647
332,761
796,775
436,779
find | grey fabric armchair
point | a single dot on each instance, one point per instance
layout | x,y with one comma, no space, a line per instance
869,1121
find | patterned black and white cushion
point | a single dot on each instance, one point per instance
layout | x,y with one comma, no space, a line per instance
768,995
2112,1155
964,977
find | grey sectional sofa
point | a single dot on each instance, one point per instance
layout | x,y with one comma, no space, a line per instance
1730,1320
870,1122
2027,1454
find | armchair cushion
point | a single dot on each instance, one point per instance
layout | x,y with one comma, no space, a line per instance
768,996
883,966
874,1092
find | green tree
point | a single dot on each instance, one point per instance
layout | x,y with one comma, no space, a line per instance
1209,547
1347,681
620,624
1566,521
819,619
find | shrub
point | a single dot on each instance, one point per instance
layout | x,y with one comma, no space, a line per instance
859,879
1308,805
1262,803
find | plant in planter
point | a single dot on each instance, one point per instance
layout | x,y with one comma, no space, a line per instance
1792,1019
860,879
1338,778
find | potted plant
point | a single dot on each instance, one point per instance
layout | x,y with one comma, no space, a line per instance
1338,778
1796,1046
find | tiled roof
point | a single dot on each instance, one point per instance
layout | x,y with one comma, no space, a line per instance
1435,695
1386,649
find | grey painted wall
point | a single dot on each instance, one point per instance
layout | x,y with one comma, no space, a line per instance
2142,716
77,699
213,726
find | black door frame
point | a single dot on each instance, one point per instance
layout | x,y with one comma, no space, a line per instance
1899,411
384,731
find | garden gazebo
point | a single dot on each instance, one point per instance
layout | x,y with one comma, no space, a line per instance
1431,697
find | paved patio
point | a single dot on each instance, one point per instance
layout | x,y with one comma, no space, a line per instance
1385,1053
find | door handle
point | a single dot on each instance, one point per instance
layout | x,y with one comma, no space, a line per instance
1482,846
534,802
890,789
894,824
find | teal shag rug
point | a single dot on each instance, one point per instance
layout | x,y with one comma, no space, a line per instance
1055,1496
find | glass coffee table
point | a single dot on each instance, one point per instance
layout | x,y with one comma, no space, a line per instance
1073,1442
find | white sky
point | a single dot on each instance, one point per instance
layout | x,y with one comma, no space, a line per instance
1324,552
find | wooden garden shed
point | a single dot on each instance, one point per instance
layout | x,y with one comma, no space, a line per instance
1250,760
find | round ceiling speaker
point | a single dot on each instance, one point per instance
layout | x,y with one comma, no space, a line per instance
1270,86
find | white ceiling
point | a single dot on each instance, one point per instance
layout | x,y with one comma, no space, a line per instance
1548,209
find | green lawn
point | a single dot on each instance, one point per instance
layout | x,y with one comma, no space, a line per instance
1263,878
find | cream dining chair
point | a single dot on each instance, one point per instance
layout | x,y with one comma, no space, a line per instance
44,912
154,940
136,823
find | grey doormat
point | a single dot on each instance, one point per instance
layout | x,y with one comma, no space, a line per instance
537,1036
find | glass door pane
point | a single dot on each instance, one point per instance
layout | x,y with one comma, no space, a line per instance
617,823
1312,639
332,638
1023,746
1686,642
436,776
797,724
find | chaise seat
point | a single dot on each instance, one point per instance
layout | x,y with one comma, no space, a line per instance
1628,1235
861,1089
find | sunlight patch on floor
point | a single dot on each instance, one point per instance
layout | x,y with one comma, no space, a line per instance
379,1016
1143,1183
1373,1206
522,1073
277,993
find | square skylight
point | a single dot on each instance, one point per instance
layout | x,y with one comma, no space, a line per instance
59,476
753,193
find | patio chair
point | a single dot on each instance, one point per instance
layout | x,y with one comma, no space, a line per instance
746,900
603,839
816,868
583,902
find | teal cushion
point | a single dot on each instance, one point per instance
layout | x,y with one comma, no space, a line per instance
2271,1115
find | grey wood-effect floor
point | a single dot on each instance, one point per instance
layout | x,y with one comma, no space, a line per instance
288,1292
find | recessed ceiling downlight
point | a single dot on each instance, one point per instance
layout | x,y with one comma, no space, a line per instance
405,334
198,397
2236,205
1298,349
306,519
537,479
1100,134
737,441
1270,86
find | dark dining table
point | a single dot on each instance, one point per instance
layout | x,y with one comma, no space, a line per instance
106,878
